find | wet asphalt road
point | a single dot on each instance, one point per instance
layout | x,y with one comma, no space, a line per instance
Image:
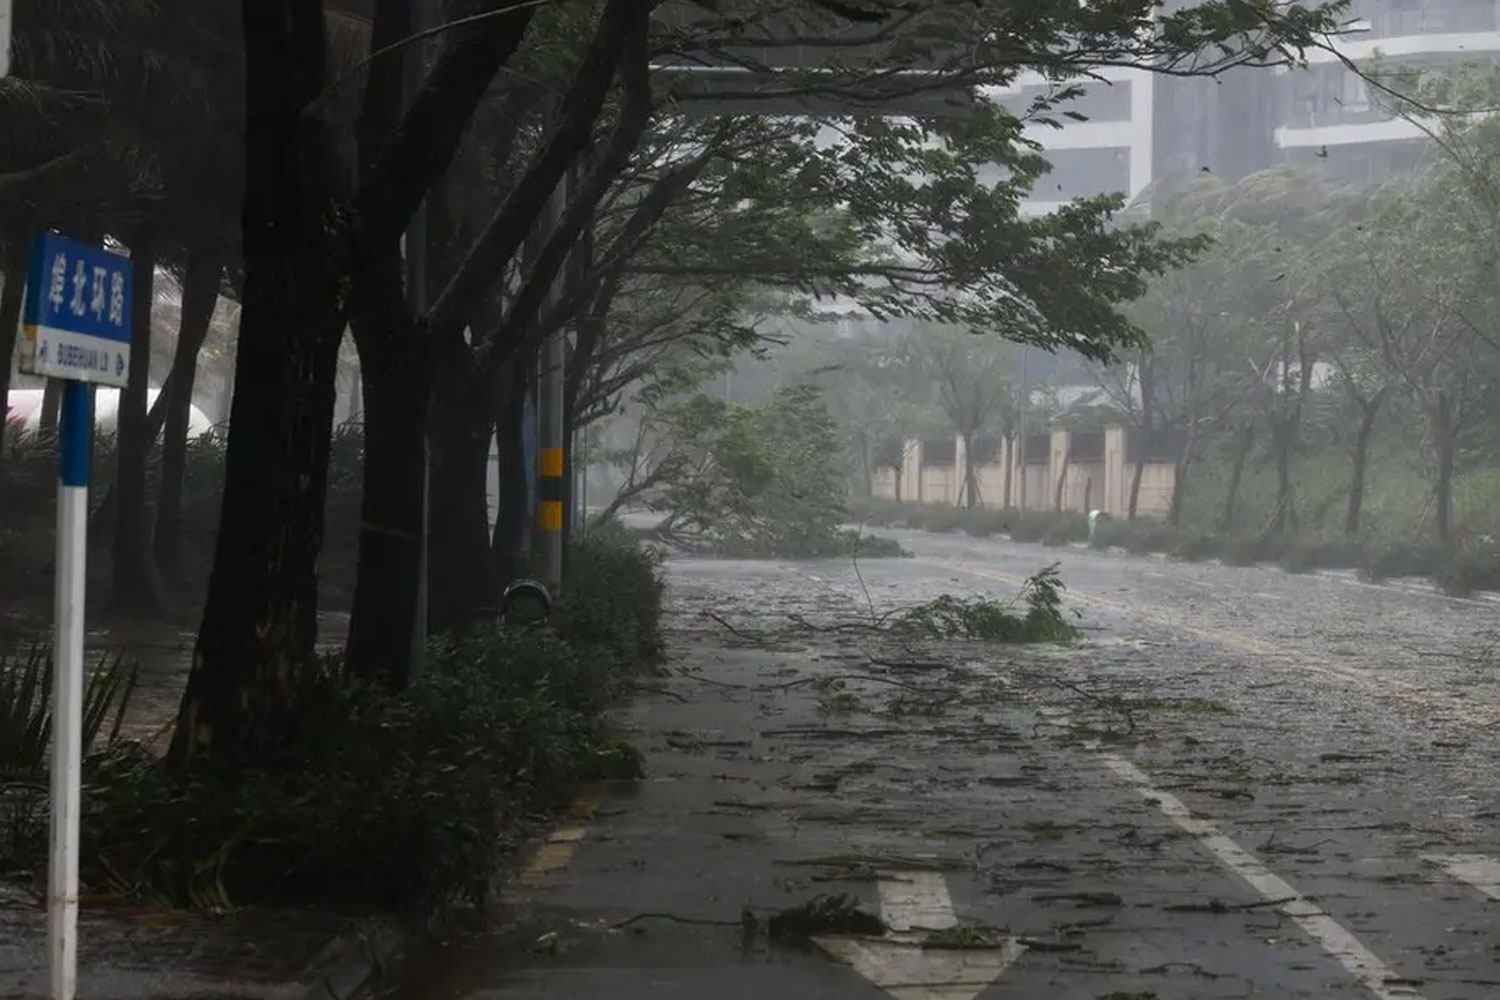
1241,784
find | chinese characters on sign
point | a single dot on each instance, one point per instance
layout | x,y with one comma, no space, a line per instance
77,319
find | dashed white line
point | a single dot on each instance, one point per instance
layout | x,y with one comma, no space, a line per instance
913,903
1338,942
1479,870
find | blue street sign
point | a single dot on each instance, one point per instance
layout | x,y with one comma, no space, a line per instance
77,319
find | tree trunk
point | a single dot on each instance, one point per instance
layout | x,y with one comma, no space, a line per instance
1062,477
461,571
244,702
200,293
1443,434
866,464
393,379
135,588
1148,426
1360,462
1285,518
1180,469
1179,488
971,481
1232,495
1135,479
10,319
1006,500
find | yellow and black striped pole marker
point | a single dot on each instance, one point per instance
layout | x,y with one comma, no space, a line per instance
552,489
549,493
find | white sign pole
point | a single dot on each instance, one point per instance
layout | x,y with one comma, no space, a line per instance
74,444
4,37
75,327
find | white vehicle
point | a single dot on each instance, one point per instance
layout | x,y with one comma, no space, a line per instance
25,407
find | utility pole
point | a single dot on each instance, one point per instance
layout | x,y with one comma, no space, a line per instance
552,470
1025,405
416,296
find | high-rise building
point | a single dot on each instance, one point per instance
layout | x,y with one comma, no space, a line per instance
1328,113
1144,130
1113,150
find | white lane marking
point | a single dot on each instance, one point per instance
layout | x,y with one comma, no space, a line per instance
1479,870
907,971
912,904
916,901
1343,946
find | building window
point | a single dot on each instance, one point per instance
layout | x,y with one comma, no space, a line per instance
1356,93
1099,102
1087,446
939,451
1080,173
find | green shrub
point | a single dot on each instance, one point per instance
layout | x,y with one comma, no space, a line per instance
982,522
613,595
399,800
26,707
1300,556
1339,553
1401,557
1249,550
1463,574
396,800
1065,528
1195,546
878,511
942,518
1136,537
1029,525
865,546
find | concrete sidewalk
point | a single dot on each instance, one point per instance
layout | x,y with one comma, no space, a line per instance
1022,831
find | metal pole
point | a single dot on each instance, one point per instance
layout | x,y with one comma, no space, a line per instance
416,294
551,464
1025,405
74,447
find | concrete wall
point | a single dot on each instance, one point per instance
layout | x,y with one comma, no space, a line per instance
1103,483
940,483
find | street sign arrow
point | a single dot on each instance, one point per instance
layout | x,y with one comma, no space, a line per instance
913,905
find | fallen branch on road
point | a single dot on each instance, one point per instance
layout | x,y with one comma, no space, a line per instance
743,635
674,918
1219,906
